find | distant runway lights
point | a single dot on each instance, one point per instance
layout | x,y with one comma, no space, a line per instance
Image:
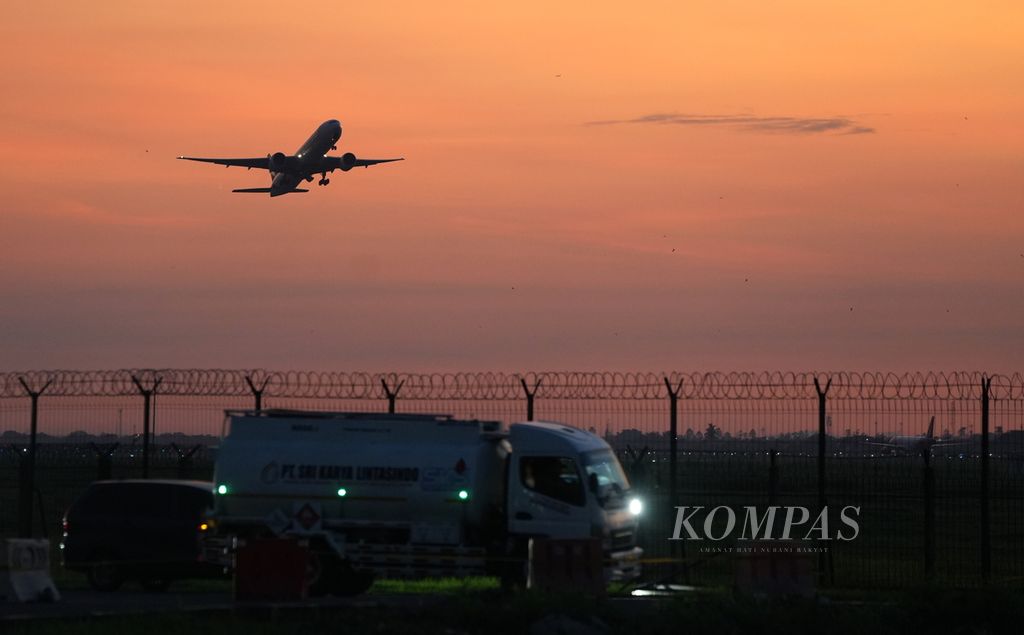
342,492
463,494
222,489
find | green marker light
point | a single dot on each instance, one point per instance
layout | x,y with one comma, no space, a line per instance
463,494
222,489
342,492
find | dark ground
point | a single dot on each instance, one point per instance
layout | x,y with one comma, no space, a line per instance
197,612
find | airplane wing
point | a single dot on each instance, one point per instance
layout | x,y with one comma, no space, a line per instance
346,162
258,162
365,163
264,190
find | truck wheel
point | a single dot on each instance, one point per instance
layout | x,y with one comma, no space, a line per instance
105,575
353,581
514,570
317,573
337,577
513,577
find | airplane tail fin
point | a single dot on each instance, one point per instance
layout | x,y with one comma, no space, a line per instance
931,428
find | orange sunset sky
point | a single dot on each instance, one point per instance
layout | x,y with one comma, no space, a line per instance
587,185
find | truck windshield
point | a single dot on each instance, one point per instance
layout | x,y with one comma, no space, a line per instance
612,483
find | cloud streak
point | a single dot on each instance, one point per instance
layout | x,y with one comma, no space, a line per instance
750,123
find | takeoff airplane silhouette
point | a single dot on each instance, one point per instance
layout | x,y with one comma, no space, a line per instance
287,172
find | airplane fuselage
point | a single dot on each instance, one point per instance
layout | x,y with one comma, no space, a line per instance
309,157
913,444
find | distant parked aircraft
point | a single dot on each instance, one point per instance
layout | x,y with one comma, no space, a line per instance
916,444
287,172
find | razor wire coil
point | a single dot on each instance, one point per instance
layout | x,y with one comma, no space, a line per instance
765,385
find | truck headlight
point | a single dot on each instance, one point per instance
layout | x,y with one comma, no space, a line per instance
635,506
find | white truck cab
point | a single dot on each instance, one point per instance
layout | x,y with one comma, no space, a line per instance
567,483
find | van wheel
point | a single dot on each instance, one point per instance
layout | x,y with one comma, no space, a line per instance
105,575
155,585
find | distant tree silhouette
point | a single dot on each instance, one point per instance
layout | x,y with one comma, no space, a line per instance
712,432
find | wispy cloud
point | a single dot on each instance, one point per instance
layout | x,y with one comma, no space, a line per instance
750,123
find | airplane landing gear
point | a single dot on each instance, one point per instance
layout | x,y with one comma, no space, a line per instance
323,179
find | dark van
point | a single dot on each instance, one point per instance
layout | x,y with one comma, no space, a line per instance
145,530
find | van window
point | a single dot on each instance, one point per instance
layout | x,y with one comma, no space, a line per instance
554,476
100,500
193,502
146,500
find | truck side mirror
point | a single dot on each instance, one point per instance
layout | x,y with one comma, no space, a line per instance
592,483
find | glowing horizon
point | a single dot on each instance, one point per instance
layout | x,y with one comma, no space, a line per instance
720,185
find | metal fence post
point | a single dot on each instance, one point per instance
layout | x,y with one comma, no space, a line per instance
929,514
104,464
986,538
184,459
28,475
773,476
257,393
391,395
822,416
529,397
673,462
147,396
673,434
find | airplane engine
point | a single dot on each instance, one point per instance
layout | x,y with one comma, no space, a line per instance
348,160
278,162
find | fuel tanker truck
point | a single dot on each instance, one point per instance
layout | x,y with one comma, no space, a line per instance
413,496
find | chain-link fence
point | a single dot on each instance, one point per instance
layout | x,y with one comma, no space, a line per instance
933,461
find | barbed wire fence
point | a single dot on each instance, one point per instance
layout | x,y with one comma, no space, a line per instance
953,514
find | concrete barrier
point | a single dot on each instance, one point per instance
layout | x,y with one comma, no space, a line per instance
271,569
28,572
776,568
